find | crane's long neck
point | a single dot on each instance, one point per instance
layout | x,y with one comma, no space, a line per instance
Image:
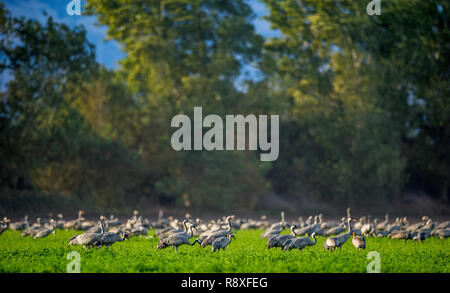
185,226
314,239
293,231
102,229
229,224
349,227
191,232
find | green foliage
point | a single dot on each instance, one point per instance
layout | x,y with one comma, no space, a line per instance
357,91
247,253
182,54
363,100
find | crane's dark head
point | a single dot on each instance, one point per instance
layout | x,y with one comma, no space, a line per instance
126,236
193,227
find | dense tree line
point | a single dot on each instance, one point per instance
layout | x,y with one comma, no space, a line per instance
363,100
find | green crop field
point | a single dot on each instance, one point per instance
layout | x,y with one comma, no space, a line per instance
248,253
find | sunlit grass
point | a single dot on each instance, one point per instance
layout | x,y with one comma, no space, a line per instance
248,253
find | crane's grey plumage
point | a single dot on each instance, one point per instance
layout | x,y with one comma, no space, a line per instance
222,242
359,242
176,240
4,225
31,230
221,233
337,241
109,238
41,233
279,240
401,234
276,228
300,243
87,239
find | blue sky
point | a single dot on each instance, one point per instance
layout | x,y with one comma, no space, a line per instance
109,52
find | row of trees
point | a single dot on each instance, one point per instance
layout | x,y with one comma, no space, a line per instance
364,102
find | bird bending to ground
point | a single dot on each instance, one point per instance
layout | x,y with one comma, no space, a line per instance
222,242
46,230
87,239
176,240
359,241
109,238
279,240
300,242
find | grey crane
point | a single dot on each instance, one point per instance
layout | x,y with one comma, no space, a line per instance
222,242
46,230
337,241
176,240
20,225
171,230
279,240
401,234
383,225
337,229
31,230
300,243
75,224
422,235
188,232
441,233
4,225
275,229
443,225
87,239
359,242
221,233
109,238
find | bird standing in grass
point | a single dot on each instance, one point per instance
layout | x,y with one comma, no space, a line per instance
222,242
44,232
176,240
300,242
336,242
4,225
401,234
221,233
109,238
276,228
279,240
87,239
359,241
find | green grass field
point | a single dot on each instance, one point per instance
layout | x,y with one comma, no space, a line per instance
248,253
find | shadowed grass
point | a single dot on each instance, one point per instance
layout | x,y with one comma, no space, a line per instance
248,253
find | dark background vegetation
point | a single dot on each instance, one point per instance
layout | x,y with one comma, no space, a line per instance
364,104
